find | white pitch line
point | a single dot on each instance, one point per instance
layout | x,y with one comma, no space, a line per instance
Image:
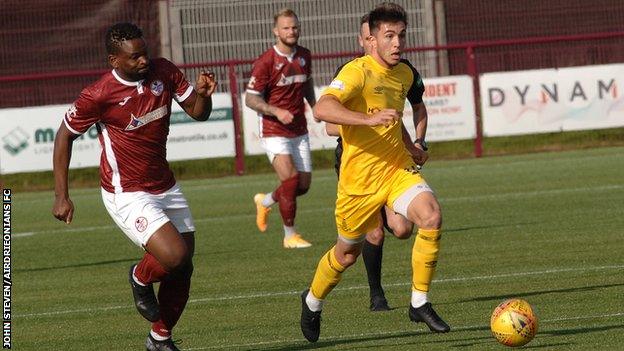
394,332
359,287
322,209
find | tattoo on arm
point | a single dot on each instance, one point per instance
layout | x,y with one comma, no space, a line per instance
257,103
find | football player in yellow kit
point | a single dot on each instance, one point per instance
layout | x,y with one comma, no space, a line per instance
378,169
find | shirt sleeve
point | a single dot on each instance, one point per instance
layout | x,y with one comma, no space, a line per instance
181,86
339,69
260,75
348,83
415,93
82,114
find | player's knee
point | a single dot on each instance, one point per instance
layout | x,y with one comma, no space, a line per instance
403,230
432,219
176,259
375,236
346,260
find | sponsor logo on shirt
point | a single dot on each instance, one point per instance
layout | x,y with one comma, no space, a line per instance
378,90
157,87
297,78
137,122
337,84
279,66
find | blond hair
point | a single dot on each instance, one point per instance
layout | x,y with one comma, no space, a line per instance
285,12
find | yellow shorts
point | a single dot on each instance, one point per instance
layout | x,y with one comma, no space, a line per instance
356,215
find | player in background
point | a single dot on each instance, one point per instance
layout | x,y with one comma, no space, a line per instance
378,169
131,107
399,226
280,80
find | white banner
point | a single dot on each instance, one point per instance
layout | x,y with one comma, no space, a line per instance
449,101
27,137
552,100
451,109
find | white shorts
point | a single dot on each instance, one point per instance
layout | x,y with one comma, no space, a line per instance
140,214
298,148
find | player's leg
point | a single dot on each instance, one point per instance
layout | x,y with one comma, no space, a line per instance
278,152
302,160
401,227
140,217
328,274
372,254
286,197
174,289
417,203
355,216
173,295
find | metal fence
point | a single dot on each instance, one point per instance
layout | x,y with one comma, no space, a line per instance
49,61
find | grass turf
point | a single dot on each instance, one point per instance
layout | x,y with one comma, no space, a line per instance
545,227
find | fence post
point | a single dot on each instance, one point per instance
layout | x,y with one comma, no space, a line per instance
236,116
472,71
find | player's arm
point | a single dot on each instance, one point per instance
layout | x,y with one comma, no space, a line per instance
329,109
257,103
419,117
199,104
418,148
310,96
63,208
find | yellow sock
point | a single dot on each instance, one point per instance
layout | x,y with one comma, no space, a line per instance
425,258
327,276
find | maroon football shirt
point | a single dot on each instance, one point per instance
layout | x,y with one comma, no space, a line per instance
132,119
279,79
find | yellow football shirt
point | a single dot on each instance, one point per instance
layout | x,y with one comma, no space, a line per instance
371,154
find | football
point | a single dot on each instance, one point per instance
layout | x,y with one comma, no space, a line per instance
513,323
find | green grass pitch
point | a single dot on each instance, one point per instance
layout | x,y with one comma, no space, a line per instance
544,227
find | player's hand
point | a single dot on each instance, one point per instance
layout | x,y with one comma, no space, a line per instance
283,116
206,83
385,117
63,209
419,155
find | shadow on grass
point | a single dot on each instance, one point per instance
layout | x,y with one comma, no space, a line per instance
446,339
78,265
536,293
467,228
575,331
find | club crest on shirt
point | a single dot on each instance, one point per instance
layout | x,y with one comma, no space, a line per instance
157,87
302,61
140,224
137,122
279,66
71,112
251,83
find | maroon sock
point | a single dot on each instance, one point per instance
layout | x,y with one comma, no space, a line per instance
149,270
172,297
286,196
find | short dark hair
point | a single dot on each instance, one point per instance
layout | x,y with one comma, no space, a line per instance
119,33
364,19
386,12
